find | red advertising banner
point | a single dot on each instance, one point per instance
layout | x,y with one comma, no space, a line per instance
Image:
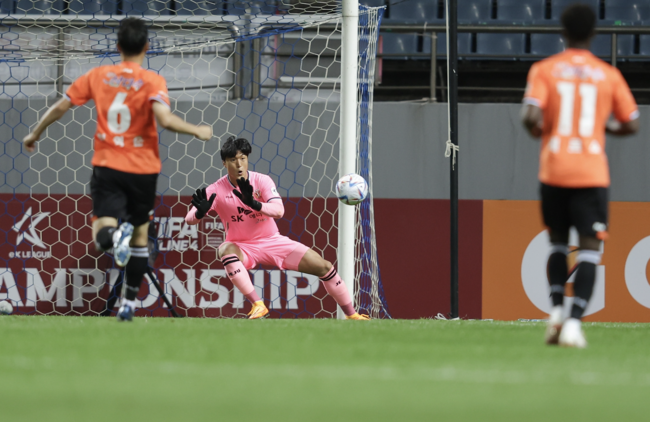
48,261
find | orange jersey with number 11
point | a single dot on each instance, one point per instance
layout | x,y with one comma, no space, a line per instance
127,137
577,93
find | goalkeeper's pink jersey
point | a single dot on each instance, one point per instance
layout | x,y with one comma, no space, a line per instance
240,221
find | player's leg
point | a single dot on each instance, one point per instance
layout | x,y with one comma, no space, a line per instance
555,211
312,263
109,204
141,196
232,258
108,236
589,213
135,270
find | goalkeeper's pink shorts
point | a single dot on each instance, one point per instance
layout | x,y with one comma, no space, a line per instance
276,250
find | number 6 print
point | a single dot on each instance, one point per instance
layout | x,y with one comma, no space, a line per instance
119,115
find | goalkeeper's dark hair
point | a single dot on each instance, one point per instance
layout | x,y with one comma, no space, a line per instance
232,145
579,21
132,36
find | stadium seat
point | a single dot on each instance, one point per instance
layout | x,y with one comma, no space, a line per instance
7,7
144,7
199,7
627,12
39,7
254,7
414,11
625,45
501,44
601,46
474,11
558,6
464,44
546,44
373,3
399,44
90,7
644,46
521,11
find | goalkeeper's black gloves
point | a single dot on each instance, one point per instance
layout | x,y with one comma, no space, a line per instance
246,194
202,203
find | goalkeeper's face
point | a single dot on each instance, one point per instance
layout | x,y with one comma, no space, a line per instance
237,166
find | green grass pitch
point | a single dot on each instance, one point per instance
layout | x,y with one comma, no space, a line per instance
161,369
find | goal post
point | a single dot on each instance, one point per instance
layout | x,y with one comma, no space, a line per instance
348,139
270,71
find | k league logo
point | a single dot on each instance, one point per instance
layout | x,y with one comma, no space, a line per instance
26,229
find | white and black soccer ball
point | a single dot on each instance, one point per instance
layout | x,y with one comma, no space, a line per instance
351,189
6,308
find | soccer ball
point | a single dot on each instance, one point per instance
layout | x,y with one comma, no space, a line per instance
351,189
6,308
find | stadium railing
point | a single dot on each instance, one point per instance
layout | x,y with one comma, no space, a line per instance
619,39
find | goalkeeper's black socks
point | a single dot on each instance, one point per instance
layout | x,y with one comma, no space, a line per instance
583,286
558,272
104,239
135,271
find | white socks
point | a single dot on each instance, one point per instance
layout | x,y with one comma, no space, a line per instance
131,303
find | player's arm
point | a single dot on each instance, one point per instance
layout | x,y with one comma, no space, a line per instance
535,99
170,121
624,108
273,208
617,128
201,205
533,118
53,114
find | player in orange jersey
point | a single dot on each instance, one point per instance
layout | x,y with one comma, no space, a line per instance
126,163
568,101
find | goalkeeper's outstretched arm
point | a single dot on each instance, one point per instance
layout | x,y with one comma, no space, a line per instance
53,114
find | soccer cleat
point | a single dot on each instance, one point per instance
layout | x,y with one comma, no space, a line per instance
357,316
554,326
121,244
259,310
125,313
572,334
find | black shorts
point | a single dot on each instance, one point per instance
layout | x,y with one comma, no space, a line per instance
121,195
583,208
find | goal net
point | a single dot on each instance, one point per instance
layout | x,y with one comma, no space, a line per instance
269,71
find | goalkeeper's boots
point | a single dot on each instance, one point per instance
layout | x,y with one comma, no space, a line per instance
259,310
125,313
572,334
121,244
554,326
357,316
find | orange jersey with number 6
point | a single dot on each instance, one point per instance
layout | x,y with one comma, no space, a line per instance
127,137
577,93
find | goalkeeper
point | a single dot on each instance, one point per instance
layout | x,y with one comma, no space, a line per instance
247,203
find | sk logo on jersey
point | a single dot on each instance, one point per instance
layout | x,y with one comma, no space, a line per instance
244,211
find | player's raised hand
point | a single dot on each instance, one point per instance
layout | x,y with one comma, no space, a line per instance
204,132
202,203
29,142
246,194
